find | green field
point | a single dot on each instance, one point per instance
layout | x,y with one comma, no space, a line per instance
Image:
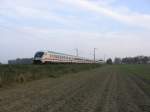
22,73
142,71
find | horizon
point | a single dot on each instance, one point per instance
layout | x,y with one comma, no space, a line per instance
116,28
97,59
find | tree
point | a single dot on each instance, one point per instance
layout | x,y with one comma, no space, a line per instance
145,60
136,60
109,61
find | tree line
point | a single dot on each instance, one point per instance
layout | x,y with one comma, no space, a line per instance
133,60
21,61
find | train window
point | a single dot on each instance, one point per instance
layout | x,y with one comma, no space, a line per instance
39,54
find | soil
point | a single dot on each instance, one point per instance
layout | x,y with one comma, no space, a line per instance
103,89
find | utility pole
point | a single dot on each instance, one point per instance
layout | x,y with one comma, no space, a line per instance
94,54
104,57
77,52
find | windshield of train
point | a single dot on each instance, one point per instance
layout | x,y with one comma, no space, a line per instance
39,54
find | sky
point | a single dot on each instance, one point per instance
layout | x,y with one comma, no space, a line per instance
117,28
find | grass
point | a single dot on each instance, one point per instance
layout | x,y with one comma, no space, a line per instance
141,70
23,73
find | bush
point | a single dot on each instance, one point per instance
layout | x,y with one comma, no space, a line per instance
21,78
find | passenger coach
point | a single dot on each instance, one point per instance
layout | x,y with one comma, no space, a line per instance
54,57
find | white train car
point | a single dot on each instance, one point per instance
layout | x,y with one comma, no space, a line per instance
54,57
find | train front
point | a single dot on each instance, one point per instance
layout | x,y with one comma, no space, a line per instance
38,57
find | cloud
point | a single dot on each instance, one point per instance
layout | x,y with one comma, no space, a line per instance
40,14
36,10
27,10
31,11
122,14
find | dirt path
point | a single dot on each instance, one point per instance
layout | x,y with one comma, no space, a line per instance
100,90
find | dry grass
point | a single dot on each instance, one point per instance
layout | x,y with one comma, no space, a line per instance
24,73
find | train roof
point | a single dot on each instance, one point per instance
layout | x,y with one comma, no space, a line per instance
52,52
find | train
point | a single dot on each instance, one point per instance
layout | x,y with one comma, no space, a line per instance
45,57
